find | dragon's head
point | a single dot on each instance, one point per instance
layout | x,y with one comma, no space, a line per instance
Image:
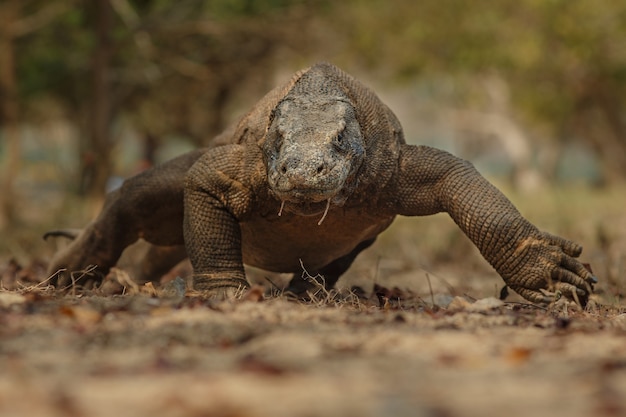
313,149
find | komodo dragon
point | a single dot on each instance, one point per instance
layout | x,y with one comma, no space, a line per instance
310,177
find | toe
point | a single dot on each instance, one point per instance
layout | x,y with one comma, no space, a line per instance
534,296
569,247
563,275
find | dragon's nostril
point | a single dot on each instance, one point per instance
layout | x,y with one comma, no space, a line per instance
320,169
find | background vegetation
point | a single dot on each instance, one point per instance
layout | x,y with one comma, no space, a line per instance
95,90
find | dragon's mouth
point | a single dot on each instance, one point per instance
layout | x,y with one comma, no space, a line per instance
306,213
305,195
309,206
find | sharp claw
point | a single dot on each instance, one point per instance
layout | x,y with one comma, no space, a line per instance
592,279
544,297
551,296
545,300
70,234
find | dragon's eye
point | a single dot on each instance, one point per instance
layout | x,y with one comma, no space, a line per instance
339,142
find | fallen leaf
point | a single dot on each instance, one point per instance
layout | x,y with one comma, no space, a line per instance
124,280
459,304
256,365
82,315
148,289
255,294
518,355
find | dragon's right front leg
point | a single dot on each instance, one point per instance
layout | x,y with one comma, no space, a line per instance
214,202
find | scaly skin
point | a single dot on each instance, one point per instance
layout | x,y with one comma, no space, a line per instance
310,177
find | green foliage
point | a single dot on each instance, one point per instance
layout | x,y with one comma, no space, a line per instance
547,50
236,9
177,65
52,59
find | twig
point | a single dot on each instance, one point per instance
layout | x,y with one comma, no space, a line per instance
527,305
430,288
272,283
81,274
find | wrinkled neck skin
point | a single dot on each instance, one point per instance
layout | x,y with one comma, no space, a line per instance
313,150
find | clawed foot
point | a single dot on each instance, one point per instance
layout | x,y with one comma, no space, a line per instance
550,271
220,289
307,286
557,292
87,278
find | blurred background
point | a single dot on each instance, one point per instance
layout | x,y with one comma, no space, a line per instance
531,91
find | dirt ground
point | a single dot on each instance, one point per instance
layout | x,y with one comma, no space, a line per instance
139,355
441,344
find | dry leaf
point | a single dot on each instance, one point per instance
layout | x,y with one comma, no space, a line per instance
82,315
148,289
255,293
459,304
518,355
256,365
124,280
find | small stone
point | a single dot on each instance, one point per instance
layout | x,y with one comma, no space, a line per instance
443,300
176,288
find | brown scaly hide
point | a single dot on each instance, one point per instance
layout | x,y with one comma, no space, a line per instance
219,204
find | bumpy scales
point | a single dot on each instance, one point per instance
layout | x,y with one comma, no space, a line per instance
310,176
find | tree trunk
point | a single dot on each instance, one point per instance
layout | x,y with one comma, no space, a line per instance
98,150
9,115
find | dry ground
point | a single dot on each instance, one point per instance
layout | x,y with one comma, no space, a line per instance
446,348
140,355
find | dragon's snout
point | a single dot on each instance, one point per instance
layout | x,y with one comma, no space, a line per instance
307,175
